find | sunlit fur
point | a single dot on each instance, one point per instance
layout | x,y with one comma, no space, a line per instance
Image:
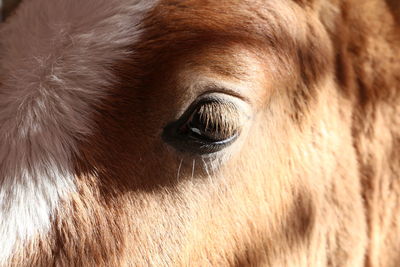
87,87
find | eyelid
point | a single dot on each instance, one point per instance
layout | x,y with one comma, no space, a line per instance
225,89
175,134
224,96
224,116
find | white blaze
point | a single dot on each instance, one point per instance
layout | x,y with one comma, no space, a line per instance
54,59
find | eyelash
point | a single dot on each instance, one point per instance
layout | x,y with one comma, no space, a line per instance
213,131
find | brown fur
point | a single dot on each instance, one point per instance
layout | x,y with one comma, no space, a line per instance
314,178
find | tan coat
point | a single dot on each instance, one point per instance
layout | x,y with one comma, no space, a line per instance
200,133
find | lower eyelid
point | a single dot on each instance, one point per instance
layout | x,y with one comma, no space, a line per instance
226,141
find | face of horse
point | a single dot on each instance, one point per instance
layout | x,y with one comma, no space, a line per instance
222,130
195,98
177,133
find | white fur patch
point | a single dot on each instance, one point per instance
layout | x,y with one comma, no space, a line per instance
54,59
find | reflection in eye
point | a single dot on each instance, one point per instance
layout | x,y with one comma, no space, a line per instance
206,127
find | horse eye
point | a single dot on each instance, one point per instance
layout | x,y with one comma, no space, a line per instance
206,127
208,123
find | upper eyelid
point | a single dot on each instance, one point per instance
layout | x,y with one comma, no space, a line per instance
208,85
220,88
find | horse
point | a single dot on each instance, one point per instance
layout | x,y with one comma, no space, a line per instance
200,133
